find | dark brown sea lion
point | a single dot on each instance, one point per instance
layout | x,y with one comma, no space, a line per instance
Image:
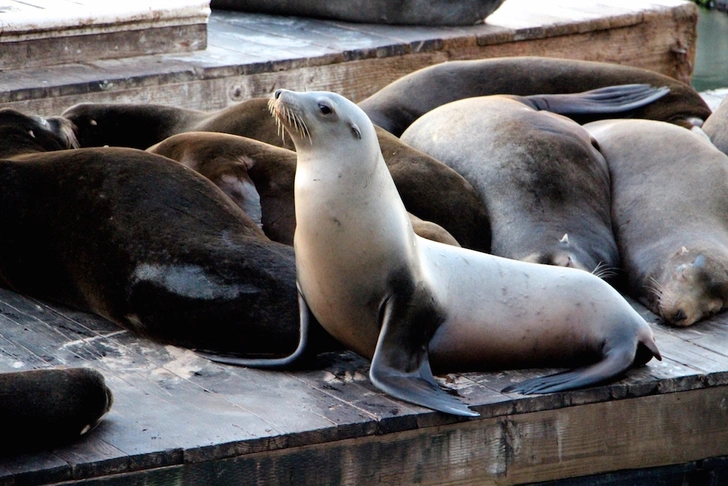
47,408
544,184
407,12
143,125
430,190
406,302
670,216
147,243
258,177
397,105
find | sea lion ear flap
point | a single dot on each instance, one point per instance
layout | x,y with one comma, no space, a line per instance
356,131
699,261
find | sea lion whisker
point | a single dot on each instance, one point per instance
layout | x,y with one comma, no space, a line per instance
604,271
657,289
305,132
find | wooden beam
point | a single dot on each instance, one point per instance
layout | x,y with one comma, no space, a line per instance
574,441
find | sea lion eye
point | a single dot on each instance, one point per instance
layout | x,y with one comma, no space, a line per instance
325,109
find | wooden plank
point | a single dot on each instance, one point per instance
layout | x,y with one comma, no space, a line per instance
642,432
540,446
47,32
59,50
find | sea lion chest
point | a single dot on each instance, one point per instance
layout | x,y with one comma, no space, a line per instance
353,238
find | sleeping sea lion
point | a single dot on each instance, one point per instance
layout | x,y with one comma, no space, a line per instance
670,216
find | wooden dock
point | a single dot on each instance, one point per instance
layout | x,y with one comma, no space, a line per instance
251,55
180,419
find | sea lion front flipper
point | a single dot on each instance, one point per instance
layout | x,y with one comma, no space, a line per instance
400,366
50,407
299,355
611,99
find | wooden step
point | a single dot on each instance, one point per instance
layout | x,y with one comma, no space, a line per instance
42,33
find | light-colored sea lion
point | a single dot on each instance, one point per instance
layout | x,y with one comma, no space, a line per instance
398,104
430,190
259,178
670,216
408,12
47,408
406,302
716,126
144,242
544,184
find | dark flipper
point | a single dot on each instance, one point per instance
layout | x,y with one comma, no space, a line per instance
612,99
272,363
400,366
49,408
615,362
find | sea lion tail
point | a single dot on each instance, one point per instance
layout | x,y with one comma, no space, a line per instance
646,349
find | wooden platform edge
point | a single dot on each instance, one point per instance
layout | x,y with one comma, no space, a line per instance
637,433
43,35
137,41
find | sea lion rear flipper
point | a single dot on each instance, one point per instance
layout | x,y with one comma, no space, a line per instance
400,366
615,362
611,99
289,361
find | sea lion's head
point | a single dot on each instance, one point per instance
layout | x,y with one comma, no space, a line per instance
22,133
693,286
323,120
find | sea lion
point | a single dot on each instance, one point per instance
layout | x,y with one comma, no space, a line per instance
670,216
23,134
239,166
46,408
716,126
146,243
143,125
406,302
409,12
398,104
543,183
430,190
257,176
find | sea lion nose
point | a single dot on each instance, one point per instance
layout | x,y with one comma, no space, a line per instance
277,93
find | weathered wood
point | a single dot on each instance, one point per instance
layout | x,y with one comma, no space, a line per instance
251,55
42,33
578,441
